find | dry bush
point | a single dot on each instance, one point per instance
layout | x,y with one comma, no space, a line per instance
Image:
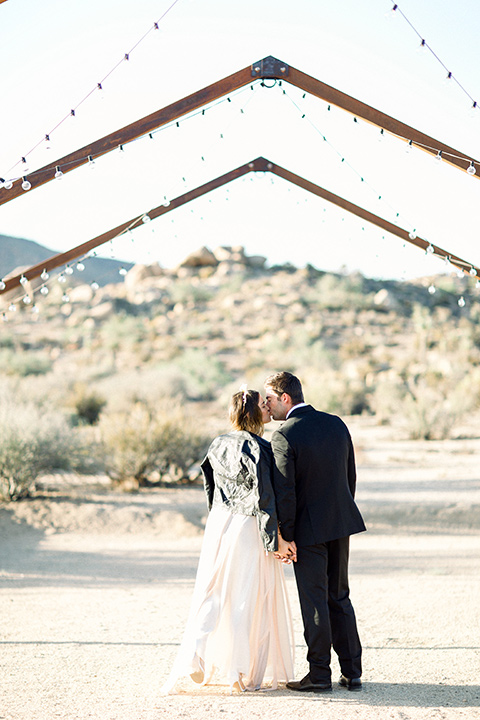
34,440
148,441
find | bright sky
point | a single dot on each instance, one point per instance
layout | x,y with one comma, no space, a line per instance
54,53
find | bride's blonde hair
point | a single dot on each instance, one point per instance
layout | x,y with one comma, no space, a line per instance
244,412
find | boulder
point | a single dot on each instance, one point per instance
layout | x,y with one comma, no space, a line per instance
200,258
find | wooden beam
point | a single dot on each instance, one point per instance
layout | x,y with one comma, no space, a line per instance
130,132
81,250
369,217
260,164
376,117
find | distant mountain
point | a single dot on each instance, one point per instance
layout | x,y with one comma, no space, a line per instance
18,252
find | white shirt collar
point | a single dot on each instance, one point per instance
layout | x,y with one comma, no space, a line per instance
302,404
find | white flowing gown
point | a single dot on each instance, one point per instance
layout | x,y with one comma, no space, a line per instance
239,629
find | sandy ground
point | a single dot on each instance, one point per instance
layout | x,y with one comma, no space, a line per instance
96,585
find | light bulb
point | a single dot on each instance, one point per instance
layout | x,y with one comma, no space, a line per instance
44,290
62,279
122,271
477,284
460,273
461,301
27,300
473,272
12,307
58,173
471,170
91,161
432,289
4,317
48,144
412,235
430,249
166,202
68,270
2,285
409,146
26,185
438,156
80,267
23,280
65,298
35,309
146,219
94,285
8,184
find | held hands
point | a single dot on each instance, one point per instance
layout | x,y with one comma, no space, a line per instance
287,551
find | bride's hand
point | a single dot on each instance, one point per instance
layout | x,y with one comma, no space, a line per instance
287,551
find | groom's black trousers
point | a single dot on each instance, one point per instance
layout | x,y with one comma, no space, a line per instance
321,572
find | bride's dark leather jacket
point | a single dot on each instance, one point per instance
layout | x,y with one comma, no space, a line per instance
237,473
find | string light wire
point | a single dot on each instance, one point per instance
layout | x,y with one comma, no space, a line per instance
98,86
423,43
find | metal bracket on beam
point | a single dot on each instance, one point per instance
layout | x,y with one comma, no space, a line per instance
270,68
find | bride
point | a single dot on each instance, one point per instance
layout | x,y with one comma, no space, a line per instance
239,630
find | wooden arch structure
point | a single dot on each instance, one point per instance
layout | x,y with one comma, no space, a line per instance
267,69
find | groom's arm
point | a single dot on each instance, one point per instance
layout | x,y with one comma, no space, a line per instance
284,484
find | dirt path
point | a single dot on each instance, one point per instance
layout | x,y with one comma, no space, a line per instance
95,591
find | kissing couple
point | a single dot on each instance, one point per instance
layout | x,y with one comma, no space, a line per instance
291,500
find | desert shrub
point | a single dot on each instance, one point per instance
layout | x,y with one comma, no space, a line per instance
332,391
428,403
34,441
24,363
148,441
88,405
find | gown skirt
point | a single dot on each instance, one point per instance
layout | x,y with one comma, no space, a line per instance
239,630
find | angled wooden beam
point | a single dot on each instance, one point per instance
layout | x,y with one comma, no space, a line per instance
272,68
81,250
260,164
268,68
130,132
360,212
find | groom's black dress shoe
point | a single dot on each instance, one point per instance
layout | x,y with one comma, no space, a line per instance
350,683
306,685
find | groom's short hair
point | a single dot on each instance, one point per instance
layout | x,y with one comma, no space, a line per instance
285,382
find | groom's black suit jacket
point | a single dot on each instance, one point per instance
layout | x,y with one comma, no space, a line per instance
315,478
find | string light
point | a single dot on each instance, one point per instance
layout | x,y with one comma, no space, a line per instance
430,249
23,280
122,271
44,290
26,184
471,170
432,289
80,267
44,275
461,301
62,279
58,173
424,45
94,285
472,272
27,300
68,270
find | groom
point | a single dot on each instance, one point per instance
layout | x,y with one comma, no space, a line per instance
314,483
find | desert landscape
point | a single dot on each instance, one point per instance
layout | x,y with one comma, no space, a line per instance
102,519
